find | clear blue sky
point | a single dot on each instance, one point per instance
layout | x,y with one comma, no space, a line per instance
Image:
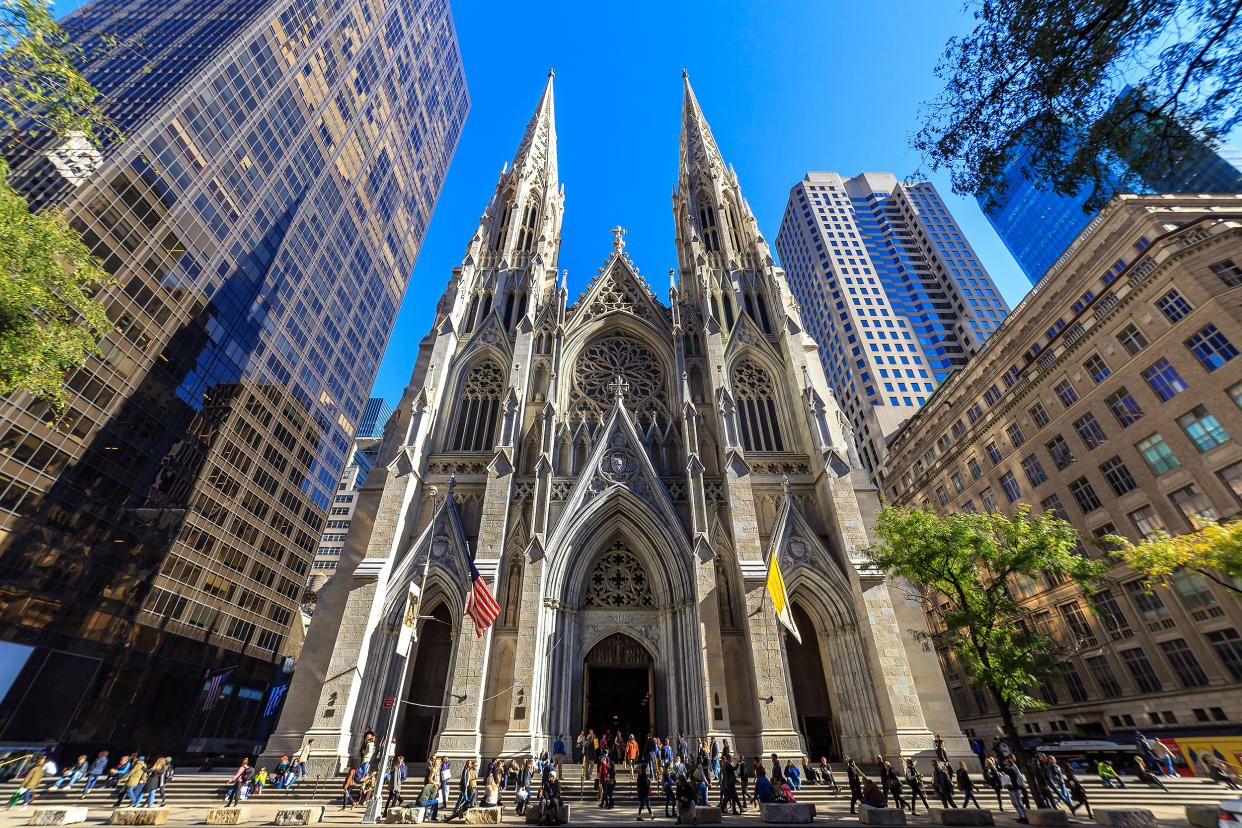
788,86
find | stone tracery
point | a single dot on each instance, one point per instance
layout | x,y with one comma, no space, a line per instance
600,363
618,579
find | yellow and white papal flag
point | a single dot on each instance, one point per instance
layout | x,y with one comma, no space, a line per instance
780,598
409,623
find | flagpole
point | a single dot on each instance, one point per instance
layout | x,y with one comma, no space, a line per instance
384,752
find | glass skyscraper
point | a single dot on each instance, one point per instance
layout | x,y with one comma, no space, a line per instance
374,416
1038,225
282,160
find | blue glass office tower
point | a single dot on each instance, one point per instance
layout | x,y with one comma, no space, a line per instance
262,220
374,416
1038,225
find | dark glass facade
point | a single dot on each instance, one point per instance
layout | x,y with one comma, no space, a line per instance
374,416
1038,225
262,218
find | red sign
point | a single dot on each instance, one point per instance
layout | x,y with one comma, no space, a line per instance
389,701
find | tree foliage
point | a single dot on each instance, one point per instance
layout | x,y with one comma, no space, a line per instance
49,319
1038,83
964,565
1215,551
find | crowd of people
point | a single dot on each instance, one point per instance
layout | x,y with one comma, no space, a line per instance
137,780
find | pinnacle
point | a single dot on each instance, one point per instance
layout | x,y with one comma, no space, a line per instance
538,148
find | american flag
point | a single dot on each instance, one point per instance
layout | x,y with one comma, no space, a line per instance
481,606
215,688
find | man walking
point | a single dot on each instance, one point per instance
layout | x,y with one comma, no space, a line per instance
97,769
558,754
299,761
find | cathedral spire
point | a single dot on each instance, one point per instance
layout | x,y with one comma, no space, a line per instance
698,148
537,151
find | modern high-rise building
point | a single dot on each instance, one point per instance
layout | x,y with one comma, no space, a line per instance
262,218
1113,398
1038,225
374,415
341,512
890,289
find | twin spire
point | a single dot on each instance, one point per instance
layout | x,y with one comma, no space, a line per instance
537,152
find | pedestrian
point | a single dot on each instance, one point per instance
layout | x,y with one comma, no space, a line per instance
942,754
446,775
966,785
465,799
558,753
97,769
115,775
589,757
1144,771
72,774
522,795
1164,756
578,745
607,781
991,776
728,788
131,784
942,782
550,800
1077,793
713,752
631,753
914,781
893,783
237,782
30,783
352,790
778,774
366,752
763,785
854,778
685,800
1015,783
396,776
151,786
302,755
642,786
169,771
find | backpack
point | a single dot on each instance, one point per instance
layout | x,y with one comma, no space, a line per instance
248,776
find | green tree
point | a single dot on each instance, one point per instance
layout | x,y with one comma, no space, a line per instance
49,319
1214,551
964,565
1046,76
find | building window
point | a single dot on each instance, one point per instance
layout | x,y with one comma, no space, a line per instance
1102,672
975,470
1231,476
1089,430
756,407
989,501
994,453
1060,452
1194,506
1147,521
1010,486
1110,613
1146,601
1140,668
1118,476
1034,471
1016,437
478,408
1132,339
969,507
1164,380
958,485
1052,503
1073,682
1096,368
1159,457
942,496
1228,646
1235,393
1039,415
1066,393
1192,589
1124,407
1173,305
1212,348
1202,428
1228,272
1084,493
1183,662
1074,618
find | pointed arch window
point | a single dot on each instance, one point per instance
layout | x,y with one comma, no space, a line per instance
530,218
478,408
503,226
756,408
707,221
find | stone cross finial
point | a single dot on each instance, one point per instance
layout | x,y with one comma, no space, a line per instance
452,484
785,483
619,386
617,243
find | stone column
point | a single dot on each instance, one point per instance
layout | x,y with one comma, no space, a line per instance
711,651
520,734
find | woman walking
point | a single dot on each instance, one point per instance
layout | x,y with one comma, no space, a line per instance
1077,793
523,786
943,783
155,778
893,783
643,787
966,785
991,775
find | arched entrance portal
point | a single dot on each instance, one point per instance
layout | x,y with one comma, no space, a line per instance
810,690
426,682
617,683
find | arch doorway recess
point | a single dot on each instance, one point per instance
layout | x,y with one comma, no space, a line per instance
427,682
812,702
617,685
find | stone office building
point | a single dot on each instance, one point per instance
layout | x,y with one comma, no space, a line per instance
619,470
1112,396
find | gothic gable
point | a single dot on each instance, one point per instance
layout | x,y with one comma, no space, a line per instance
490,335
443,543
799,546
746,334
619,289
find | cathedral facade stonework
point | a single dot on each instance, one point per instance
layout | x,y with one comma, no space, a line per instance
619,470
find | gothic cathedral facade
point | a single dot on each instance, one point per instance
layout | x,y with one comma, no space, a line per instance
619,471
